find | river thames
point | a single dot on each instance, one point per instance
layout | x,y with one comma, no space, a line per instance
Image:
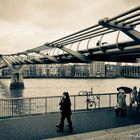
55,87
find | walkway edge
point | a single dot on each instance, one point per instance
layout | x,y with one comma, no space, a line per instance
120,133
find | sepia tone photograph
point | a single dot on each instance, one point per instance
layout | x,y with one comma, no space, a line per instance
69,70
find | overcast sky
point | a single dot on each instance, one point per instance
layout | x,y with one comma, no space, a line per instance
26,24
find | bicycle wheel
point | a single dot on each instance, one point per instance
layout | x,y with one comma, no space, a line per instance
91,105
82,93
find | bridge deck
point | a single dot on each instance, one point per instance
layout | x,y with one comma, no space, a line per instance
43,127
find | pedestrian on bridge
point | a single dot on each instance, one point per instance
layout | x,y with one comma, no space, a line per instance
65,109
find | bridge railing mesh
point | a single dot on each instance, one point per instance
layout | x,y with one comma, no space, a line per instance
19,107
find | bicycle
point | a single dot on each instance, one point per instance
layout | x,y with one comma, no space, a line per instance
91,100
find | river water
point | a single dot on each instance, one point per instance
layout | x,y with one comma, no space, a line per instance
55,87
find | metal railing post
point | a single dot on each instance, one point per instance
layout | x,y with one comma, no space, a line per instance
12,108
99,102
46,105
86,101
29,106
74,103
109,100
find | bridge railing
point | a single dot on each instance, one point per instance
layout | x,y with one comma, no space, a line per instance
19,107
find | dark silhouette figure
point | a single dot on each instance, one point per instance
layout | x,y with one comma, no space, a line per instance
120,108
65,108
138,100
134,96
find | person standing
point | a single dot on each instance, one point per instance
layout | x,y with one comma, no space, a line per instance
121,103
65,109
134,96
138,100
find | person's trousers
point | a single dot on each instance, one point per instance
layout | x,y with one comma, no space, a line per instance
68,117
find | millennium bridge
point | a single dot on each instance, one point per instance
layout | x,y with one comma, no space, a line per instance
85,46
68,49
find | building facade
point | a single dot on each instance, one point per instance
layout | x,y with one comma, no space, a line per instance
81,70
97,69
6,72
112,71
130,71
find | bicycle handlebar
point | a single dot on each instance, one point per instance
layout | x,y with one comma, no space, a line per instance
85,93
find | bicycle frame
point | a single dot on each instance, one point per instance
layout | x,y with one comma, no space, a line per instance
91,98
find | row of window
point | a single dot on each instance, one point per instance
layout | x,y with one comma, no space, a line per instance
79,71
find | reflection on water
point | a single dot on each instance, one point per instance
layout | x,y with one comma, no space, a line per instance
4,91
55,87
18,105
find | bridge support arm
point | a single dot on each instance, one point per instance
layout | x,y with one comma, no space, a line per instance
133,34
127,29
26,58
75,54
19,58
49,57
34,58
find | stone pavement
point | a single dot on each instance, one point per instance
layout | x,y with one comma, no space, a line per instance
100,123
131,132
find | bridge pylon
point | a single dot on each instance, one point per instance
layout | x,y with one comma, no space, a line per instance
17,77
16,74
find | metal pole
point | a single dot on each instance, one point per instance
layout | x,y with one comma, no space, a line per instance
29,106
109,100
99,102
74,103
125,13
46,106
12,108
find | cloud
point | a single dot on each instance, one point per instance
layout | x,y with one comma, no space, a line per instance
132,2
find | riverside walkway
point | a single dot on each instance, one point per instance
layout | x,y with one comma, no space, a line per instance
87,125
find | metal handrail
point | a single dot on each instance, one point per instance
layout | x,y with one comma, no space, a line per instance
94,26
125,13
82,34
15,107
127,18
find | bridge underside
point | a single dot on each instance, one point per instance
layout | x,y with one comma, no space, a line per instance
129,52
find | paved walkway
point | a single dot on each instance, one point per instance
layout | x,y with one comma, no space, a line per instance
86,124
131,132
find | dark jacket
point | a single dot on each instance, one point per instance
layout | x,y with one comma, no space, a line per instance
65,106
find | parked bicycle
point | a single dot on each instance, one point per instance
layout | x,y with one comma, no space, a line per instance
92,100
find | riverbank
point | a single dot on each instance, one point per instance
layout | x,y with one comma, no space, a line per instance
50,77
41,77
